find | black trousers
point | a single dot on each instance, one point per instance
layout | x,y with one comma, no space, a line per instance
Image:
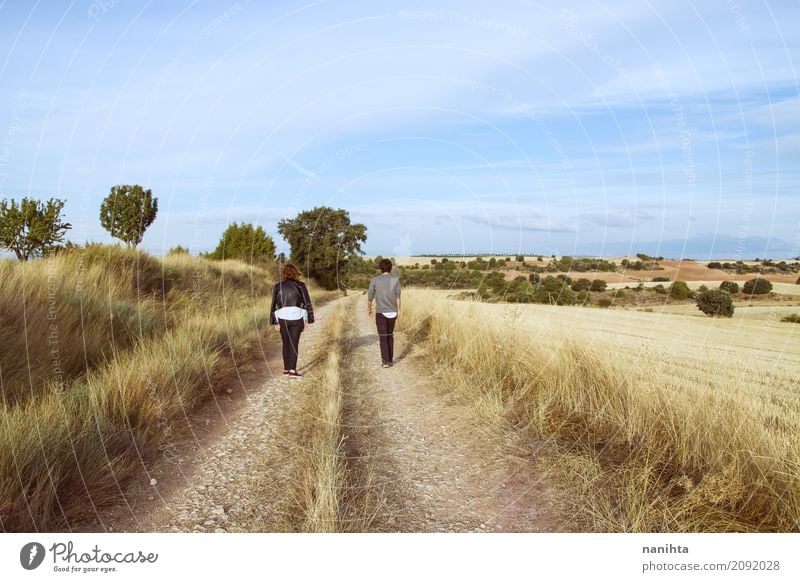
290,335
385,327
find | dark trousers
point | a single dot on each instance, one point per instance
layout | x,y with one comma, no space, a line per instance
290,335
386,335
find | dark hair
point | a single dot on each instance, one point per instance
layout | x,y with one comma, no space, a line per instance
291,272
385,266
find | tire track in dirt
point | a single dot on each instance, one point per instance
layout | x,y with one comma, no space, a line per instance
231,472
431,464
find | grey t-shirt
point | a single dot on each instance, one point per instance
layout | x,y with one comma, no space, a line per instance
385,289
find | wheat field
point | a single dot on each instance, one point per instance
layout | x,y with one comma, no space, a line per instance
653,421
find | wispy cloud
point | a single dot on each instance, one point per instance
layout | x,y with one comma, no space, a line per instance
524,222
619,218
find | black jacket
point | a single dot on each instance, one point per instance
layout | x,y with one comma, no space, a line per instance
290,293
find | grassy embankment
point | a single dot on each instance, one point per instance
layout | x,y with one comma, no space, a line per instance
105,351
629,448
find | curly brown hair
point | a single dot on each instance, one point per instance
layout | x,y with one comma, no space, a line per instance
290,271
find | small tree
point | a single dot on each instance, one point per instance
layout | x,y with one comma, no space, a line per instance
245,243
322,240
178,250
598,285
554,291
757,286
715,303
127,212
582,285
31,228
731,287
680,290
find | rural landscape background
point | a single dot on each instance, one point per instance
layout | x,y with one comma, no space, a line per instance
592,212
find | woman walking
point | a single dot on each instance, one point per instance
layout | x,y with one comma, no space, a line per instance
291,308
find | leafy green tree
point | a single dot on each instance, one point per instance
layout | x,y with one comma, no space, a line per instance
322,240
731,287
598,285
127,212
31,228
715,303
245,243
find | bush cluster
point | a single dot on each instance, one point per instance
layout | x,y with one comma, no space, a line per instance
757,286
680,290
731,287
715,303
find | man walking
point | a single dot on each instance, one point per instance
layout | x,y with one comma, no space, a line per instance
385,289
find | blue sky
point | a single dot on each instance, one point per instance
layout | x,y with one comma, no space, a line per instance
566,128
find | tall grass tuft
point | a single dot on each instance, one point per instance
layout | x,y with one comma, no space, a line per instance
106,350
332,495
630,452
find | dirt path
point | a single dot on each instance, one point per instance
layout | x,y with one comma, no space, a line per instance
434,467
229,473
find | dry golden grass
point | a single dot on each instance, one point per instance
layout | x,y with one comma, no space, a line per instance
332,495
655,422
140,342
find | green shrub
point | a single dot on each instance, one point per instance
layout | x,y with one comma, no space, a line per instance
702,288
757,286
680,290
660,279
598,285
731,287
605,302
583,297
179,250
793,318
553,291
660,289
582,285
715,303
714,265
